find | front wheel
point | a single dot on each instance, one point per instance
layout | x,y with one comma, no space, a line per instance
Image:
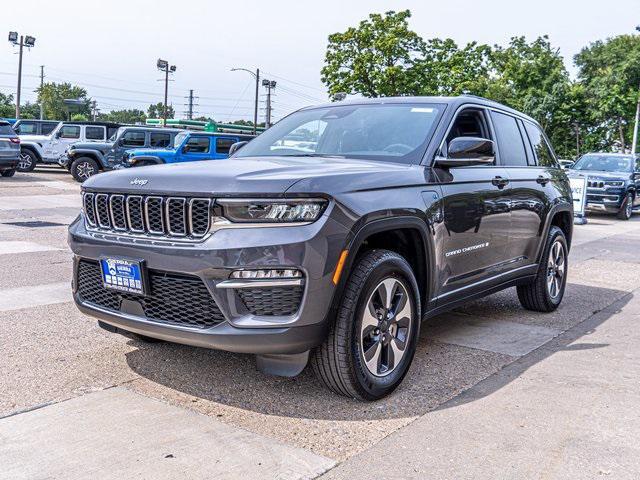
83,168
27,161
545,293
8,173
626,210
373,339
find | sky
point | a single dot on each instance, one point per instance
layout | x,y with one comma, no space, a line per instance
111,47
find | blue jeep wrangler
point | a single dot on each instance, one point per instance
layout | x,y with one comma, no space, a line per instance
188,147
84,159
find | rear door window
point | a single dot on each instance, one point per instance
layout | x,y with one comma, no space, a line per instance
70,131
224,144
159,140
95,133
133,138
540,146
510,143
198,144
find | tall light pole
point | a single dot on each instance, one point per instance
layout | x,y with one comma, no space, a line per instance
634,143
23,41
255,106
164,66
269,85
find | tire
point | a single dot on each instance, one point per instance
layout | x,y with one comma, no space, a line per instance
545,293
340,362
626,210
27,162
8,173
83,168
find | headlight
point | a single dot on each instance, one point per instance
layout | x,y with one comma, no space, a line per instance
272,211
617,183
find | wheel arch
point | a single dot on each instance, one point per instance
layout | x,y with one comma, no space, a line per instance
561,216
32,150
152,159
92,154
408,236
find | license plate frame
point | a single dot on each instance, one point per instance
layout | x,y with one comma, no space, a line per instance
124,275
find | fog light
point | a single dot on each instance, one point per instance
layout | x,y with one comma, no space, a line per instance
267,273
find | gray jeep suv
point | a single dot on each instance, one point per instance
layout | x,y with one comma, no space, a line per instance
330,236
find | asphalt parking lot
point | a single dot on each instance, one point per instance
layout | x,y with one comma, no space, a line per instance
492,385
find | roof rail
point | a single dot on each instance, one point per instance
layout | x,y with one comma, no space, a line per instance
476,96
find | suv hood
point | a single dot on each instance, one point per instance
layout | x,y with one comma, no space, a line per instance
151,152
254,176
102,146
598,175
34,138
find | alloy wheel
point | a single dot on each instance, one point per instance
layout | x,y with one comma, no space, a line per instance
555,269
24,161
385,329
629,207
85,170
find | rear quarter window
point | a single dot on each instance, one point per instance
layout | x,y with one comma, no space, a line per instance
543,151
5,129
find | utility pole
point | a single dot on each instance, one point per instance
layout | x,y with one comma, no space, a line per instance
190,106
164,66
94,109
270,85
23,41
257,97
41,85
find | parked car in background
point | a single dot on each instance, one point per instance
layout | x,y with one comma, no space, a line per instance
564,163
613,182
335,255
50,148
188,147
9,149
84,159
35,127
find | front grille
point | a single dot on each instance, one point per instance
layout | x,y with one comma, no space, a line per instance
148,214
595,184
174,299
271,301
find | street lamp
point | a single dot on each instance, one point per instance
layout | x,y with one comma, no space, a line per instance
164,66
20,41
269,85
255,106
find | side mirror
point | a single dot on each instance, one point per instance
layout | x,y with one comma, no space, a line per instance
468,151
236,146
185,149
636,176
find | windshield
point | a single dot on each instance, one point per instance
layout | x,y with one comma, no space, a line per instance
604,163
179,139
396,132
116,134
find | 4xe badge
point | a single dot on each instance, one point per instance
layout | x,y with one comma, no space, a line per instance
139,182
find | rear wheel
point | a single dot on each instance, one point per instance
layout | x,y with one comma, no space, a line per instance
83,168
8,173
626,210
373,339
545,293
27,161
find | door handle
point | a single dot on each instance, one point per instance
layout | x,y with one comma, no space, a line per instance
500,182
542,180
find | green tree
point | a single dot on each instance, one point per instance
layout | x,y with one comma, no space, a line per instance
7,107
380,57
610,73
156,110
132,115
30,110
52,96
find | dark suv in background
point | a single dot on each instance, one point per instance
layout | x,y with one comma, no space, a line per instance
613,182
84,159
9,149
330,236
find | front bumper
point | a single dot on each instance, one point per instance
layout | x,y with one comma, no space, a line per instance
314,249
601,200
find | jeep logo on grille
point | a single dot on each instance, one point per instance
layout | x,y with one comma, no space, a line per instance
139,182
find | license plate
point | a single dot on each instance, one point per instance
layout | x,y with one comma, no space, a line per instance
123,275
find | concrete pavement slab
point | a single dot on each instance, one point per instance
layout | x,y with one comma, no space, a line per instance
10,247
32,202
35,295
567,411
116,434
491,334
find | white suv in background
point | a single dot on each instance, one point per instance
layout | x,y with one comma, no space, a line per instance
49,148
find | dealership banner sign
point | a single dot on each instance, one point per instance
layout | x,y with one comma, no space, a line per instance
579,194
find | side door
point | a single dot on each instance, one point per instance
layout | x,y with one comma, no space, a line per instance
197,147
130,139
476,212
529,182
223,144
159,139
95,133
67,135
636,181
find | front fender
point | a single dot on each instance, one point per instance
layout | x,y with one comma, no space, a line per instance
142,160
